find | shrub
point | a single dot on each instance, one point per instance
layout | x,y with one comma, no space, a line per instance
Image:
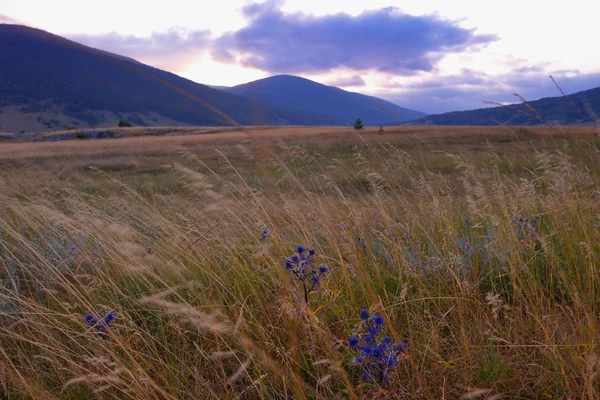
124,124
358,124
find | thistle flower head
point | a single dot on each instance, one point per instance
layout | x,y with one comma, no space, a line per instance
299,266
376,356
378,320
364,314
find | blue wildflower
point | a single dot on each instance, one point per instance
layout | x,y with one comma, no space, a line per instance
299,266
264,234
100,327
364,314
362,242
378,320
376,357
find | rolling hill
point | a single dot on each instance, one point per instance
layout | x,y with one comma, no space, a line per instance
303,94
578,109
49,82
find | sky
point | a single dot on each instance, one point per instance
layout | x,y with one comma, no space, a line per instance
429,55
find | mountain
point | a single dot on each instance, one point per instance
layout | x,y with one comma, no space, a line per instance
49,82
303,94
575,109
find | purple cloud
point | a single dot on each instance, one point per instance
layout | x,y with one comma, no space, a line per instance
347,81
386,40
470,90
171,50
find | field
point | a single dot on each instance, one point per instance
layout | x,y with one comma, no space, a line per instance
478,247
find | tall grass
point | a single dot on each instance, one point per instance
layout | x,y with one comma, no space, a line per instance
486,265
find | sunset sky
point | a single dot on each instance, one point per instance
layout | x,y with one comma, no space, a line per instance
432,56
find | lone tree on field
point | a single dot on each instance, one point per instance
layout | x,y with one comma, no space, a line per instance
358,124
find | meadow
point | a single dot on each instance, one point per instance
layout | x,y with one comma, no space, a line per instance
449,262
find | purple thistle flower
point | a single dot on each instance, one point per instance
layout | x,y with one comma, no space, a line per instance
100,327
364,314
299,266
264,234
377,356
378,320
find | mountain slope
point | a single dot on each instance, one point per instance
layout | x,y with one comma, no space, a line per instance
303,94
58,80
553,110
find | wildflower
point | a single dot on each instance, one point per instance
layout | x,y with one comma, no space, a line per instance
299,265
364,315
101,327
264,234
378,320
72,249
376,357
362,242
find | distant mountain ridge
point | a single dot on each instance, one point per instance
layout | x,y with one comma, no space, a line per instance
304,94
578,109
49,82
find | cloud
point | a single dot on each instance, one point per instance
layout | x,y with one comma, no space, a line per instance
386,40
170,50
469,89
347,81
5,19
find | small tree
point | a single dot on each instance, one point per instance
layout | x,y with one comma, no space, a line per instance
124,124
358,124
380,131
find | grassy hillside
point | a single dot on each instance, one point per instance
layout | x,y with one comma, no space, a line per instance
51,77
578,108
477,247
304,94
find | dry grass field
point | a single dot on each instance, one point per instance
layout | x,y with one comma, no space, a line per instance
477,249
